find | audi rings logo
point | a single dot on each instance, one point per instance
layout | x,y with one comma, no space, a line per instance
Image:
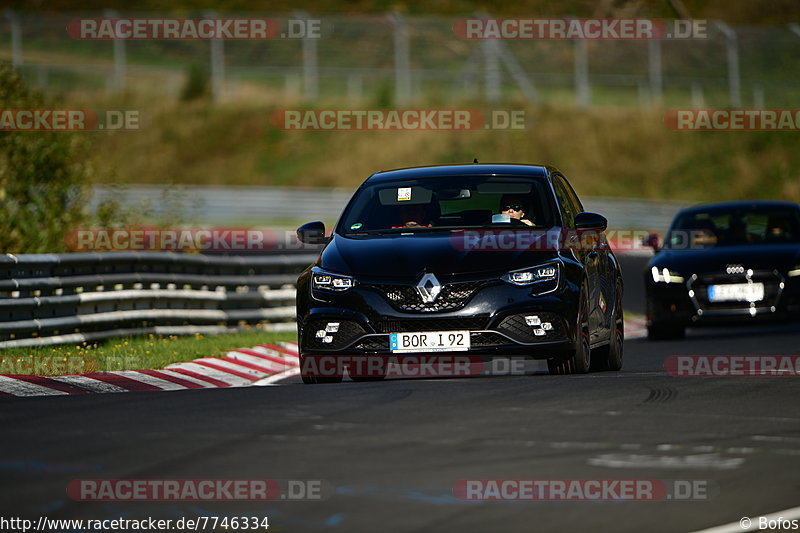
734,269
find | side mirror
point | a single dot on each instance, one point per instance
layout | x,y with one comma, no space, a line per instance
652,241
590,221
312,233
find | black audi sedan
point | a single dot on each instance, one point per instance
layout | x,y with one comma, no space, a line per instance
722,263
489,260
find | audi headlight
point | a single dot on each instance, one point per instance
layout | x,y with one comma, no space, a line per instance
327,281
795,271
529,276
665,275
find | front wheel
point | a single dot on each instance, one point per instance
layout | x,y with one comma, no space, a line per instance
579,360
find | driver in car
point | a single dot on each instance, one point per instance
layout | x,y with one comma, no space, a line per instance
514,207
414,216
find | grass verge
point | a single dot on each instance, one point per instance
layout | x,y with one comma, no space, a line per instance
129,353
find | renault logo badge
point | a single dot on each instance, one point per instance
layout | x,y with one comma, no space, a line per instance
429,288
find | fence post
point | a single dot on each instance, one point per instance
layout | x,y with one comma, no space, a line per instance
118,81
758,97
16,37
217,64
402,71
734,83
698,101
310,70
354,84
582,88
656,75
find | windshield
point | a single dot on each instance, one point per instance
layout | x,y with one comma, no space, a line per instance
449,203
737,226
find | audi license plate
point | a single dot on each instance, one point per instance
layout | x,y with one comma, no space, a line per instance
736,292
429,341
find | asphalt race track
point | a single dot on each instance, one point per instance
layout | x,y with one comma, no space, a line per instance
391,452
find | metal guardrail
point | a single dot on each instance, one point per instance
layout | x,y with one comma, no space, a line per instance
236,203
60,298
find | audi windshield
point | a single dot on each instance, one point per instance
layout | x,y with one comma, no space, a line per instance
742,225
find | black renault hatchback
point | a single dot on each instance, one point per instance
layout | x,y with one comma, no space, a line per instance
489,260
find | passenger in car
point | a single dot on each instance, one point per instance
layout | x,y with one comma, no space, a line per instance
514,207
414,216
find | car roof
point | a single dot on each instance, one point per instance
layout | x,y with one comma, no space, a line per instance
438,171
726,206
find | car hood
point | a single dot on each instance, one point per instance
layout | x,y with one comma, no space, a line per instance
411,255
758,257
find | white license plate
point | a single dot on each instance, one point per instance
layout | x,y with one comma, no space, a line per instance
736,292
429,341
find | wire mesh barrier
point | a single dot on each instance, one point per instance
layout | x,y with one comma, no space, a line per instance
383,60
54,299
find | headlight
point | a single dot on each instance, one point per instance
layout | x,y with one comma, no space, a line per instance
665,275
327,281
795,271
529,276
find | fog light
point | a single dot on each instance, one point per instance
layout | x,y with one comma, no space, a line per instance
327,339
538,332
547,326
532,320
332,327
320,333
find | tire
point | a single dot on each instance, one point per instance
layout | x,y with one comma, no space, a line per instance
663,331
310,377
611,356
579,360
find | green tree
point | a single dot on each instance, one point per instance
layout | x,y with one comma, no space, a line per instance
43,176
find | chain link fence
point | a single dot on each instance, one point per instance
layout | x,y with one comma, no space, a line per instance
392,60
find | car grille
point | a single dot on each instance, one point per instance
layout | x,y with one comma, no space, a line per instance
771,282
431,324
515,327
377,344
406,298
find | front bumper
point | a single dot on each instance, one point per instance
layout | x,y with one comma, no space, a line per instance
363,320
688,304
